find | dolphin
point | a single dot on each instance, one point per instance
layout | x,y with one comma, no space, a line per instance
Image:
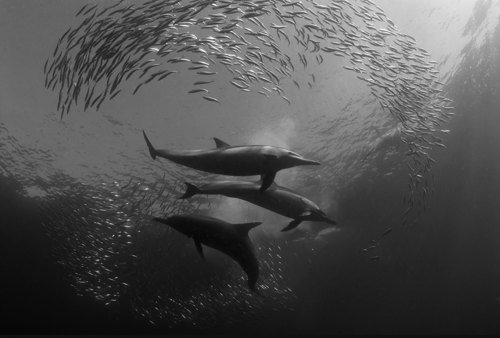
281,200
391,138
235,160
231,239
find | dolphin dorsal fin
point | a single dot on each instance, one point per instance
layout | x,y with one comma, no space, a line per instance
220,144
244,228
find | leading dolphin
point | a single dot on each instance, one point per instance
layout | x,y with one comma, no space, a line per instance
231,239
281,200
235,160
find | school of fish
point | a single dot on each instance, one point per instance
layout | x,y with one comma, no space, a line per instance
156,40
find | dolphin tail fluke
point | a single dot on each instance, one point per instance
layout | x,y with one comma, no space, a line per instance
152,150
292,225
257,292
191,190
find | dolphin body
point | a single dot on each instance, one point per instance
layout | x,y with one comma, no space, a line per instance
231,239
281,200
235,160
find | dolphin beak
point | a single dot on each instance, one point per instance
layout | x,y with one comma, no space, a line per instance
330,221
304,161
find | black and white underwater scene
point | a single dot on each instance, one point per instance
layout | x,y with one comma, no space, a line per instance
250,166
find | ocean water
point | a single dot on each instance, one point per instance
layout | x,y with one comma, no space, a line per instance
398,100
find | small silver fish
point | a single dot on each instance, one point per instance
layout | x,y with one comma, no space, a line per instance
198,90
212,99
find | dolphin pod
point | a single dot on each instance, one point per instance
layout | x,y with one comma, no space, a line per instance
235,160
281,200
231,239
244,160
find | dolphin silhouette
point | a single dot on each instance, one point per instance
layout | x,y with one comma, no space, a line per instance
390,139
235,160
231,239
281,200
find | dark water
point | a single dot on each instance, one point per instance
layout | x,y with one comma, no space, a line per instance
79,253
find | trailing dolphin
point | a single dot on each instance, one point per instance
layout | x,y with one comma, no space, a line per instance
231,239
390,139
281,200
235,160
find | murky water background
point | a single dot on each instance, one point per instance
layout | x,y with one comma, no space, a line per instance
79,250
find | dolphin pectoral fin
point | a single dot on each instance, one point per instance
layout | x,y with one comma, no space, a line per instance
199,248
152,150
272,186
293,224
267,180
330,221
220,144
